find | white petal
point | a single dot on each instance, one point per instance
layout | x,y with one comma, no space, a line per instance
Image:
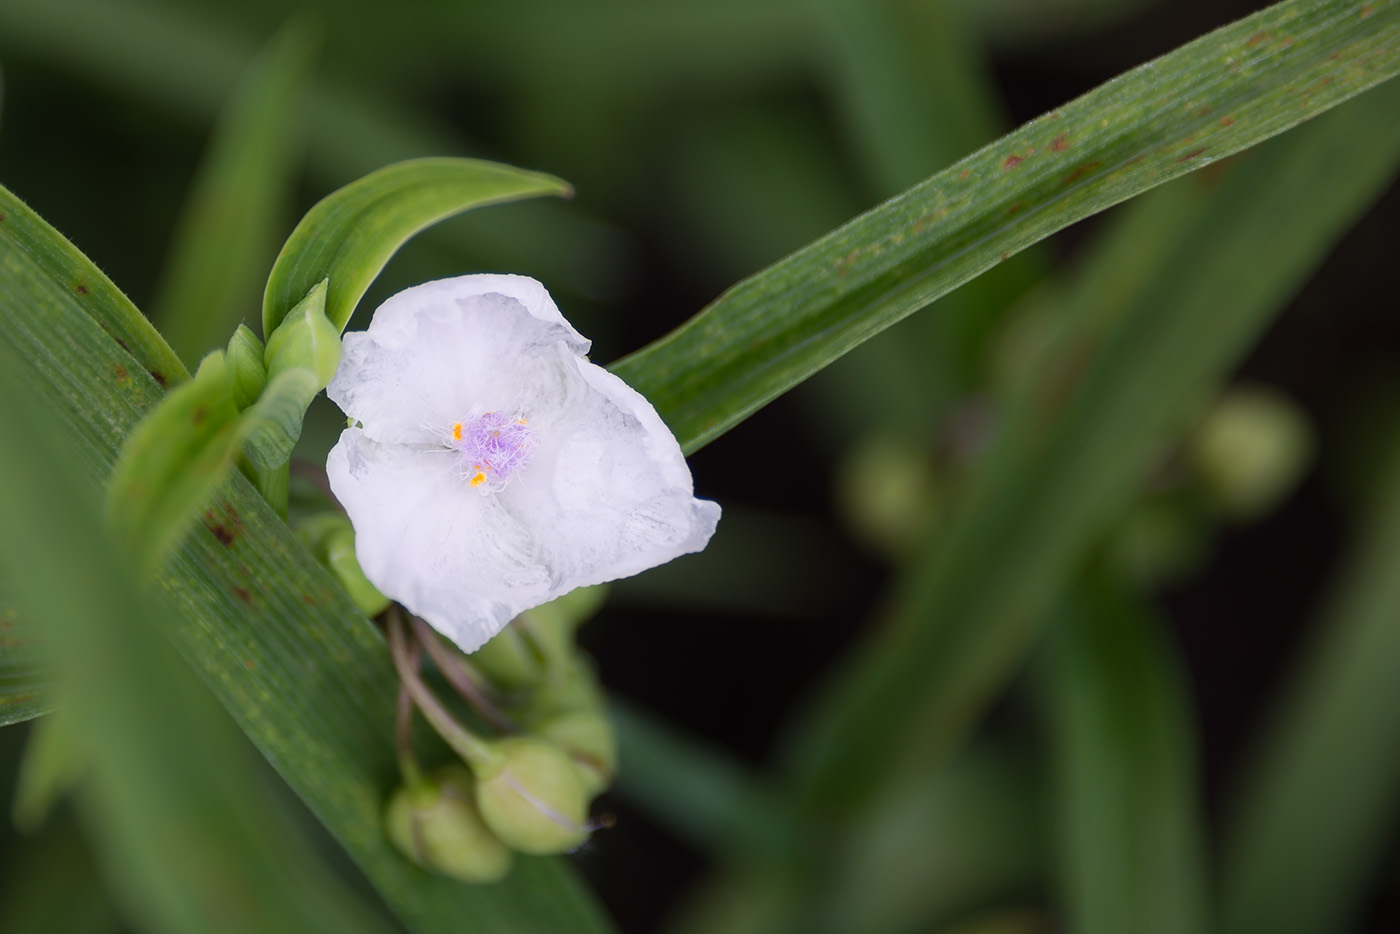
433,351
609,492
424,538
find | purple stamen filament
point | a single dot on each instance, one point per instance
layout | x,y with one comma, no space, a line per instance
493,447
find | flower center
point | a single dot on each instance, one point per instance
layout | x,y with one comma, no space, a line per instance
493,446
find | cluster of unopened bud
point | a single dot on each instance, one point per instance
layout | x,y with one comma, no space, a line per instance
529,787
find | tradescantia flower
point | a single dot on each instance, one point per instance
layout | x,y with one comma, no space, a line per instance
490,467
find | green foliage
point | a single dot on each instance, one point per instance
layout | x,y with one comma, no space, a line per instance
1213,97
1134,858
228,231
1128,371
302,672
349,236
885,813
1313,814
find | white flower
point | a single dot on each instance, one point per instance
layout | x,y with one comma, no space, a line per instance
493,468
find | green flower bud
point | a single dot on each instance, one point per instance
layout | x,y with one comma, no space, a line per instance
536,800
572,688
588,737
563,615
510,660
437,825
306,339
331,538
887,493
246,366
1251,449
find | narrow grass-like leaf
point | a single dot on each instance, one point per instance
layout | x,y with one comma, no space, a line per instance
351,233
1082,436
303,673
1222,93
227,232
186,835
1311,825
1127,809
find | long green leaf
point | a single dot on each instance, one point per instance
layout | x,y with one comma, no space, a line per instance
188,836
300,669
227,231
351,233
1083,434
1127,809
1222,93
1311,824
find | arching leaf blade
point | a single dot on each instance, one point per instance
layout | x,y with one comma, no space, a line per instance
351,233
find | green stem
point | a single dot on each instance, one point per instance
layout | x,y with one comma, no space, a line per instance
482,758
403,736
460,675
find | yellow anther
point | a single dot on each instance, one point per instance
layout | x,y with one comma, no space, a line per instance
478,480
457,431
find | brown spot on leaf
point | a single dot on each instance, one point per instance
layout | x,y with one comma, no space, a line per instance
249,664
964,173
158,376
1059,144
1192,154
1255,39
1015,208
243,594
227,528
2,218
82,289
120,373
1005,257
1011,162
843,264
1227,121
200,414
1367,10
308,599
1079,173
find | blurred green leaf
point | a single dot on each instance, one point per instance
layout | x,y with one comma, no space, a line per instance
51,885
25,679
1311,822
54,760
182,828
305,675
912,89
699,792
1222,93
227,231
931,850
351,233
171,56
1133,364
1127,809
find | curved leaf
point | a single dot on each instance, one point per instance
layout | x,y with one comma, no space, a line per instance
351,233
